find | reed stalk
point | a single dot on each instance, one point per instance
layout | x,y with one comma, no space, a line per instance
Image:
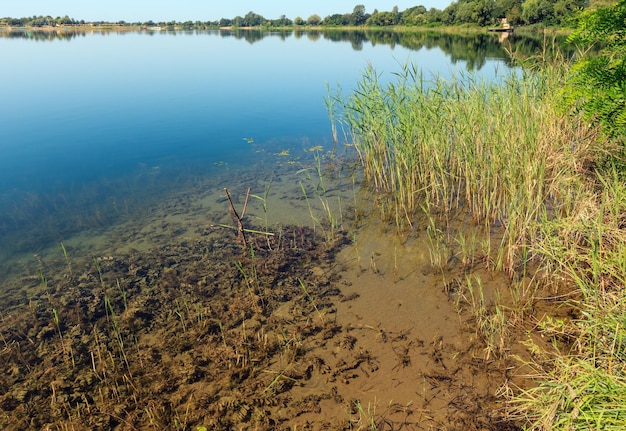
263,200
308,296
497,153
366,419
68,262
179,312
331,218
66,352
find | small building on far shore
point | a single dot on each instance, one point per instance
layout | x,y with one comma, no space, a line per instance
504,26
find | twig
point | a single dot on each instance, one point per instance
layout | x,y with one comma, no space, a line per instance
241,232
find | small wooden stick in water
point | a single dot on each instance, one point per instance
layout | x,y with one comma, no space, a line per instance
241,234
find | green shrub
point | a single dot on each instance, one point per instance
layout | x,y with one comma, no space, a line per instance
597,85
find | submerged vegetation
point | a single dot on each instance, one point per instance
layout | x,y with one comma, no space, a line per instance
204,330
89,353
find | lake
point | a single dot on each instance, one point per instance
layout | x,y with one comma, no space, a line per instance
128,301
83,111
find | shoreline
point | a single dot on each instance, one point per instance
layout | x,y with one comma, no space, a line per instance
69,28
396,29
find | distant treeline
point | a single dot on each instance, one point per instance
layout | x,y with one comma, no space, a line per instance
478,12
473,48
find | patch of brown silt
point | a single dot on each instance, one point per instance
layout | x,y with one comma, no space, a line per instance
408,355
166,322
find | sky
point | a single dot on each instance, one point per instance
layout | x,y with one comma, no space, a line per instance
194,10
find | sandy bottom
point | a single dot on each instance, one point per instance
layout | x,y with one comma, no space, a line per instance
162,321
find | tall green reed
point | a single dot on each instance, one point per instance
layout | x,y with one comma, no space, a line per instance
496,152
505,156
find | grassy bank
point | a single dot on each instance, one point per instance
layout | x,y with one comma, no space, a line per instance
500,170
583,380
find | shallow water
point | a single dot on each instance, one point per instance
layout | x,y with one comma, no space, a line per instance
161,321
96,126
120,250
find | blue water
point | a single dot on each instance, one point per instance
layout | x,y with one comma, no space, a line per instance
79,112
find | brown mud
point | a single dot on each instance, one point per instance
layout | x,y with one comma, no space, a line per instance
171,325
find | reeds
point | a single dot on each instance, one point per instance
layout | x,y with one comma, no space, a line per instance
531,184
68,262
497,153
264,200
361,417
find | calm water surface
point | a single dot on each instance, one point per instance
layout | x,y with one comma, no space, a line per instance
82,116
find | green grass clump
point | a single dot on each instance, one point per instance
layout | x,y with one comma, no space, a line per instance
500,152
583,385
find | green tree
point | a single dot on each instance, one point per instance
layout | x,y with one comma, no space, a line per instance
478,12
514,15
415,19
237,21
414,16
597,85
314,20
434,15
337,19
66,20
449,13
381,19
464,12
507,9
538,11
253,20
358,15
283,21
564,10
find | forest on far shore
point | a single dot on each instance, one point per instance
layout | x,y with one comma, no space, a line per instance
477,12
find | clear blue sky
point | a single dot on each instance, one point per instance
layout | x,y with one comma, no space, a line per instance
203,10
